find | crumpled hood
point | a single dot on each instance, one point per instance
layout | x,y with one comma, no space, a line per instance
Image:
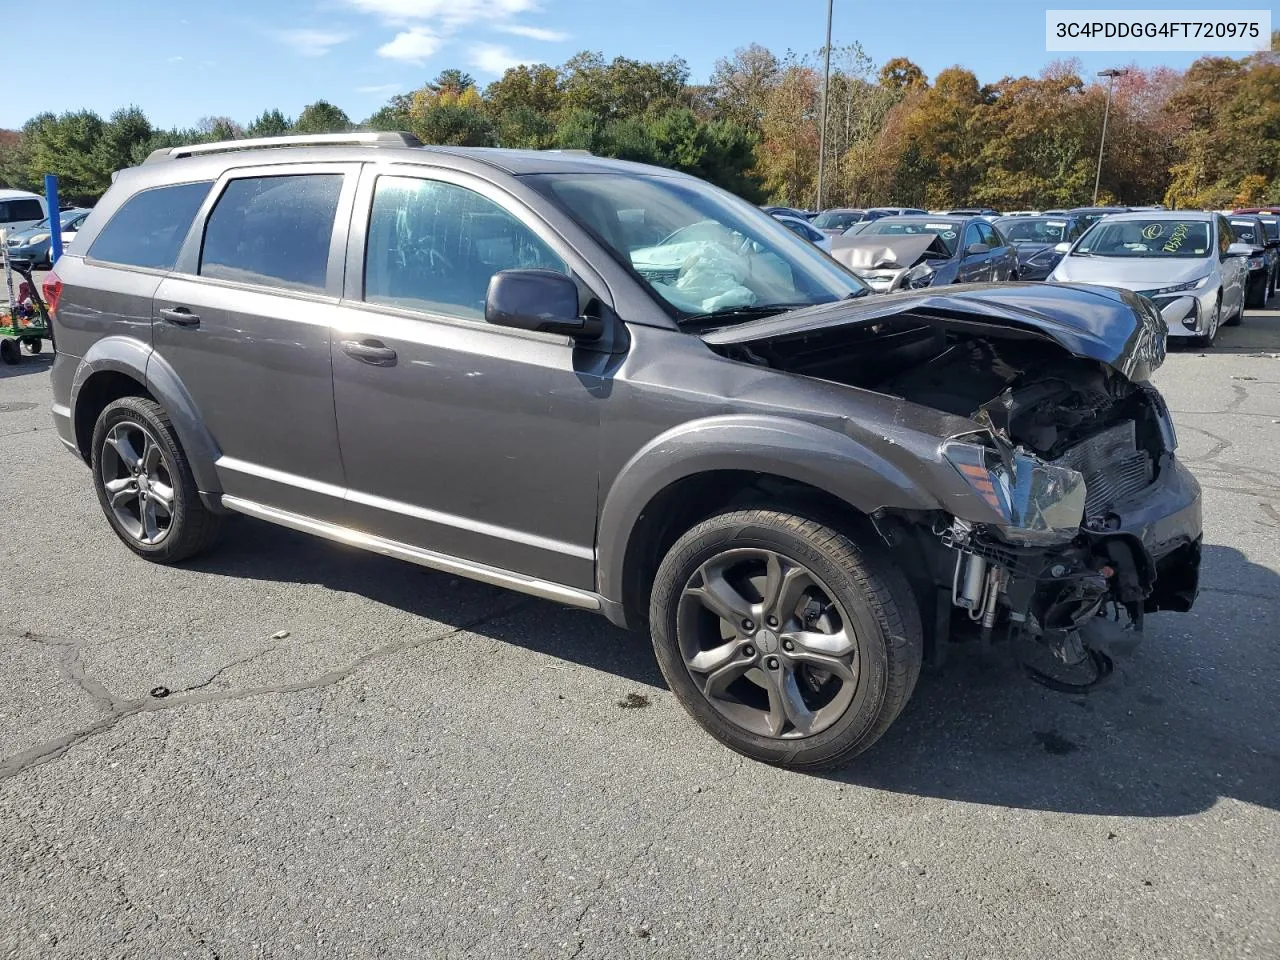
880,251
1130,273
1114,327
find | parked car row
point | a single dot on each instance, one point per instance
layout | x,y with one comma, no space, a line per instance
1201,268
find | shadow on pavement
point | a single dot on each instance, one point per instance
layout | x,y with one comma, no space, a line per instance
40,363
1259,332
1188,719
257,550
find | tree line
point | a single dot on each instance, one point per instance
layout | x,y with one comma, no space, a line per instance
1208,136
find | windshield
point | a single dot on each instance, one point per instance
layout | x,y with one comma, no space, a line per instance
1146,238
946,232
836,219
1272,227
702,251
1034,230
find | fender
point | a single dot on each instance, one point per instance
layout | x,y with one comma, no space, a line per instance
819,456
139,361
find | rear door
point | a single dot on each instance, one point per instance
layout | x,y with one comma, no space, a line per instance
472,440
244,321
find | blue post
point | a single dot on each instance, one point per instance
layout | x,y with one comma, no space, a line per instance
55,218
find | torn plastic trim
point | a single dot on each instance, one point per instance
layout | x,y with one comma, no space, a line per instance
1040,503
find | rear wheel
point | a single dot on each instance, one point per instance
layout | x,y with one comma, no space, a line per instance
10,353
33,344
144,483
787,640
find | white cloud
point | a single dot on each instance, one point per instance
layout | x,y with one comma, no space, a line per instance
533,33
310,43
452,13
412,46
494,58
175,60
383,89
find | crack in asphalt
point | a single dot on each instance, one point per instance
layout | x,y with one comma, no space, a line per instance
119,709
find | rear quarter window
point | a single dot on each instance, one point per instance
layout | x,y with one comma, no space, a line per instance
149,229
20,210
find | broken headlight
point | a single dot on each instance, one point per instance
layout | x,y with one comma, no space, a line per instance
1037,501
921,275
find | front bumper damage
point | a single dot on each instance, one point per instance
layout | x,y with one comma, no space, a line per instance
1063,602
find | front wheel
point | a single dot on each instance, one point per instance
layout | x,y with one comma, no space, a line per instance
788,641
144,483
1212,333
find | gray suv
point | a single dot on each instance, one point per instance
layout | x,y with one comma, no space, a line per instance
620,388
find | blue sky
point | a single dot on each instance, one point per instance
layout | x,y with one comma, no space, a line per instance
183,61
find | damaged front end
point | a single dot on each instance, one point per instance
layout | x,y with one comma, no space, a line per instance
1100,522
1072,518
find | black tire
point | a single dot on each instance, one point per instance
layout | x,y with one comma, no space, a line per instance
34,345
1206,341
1256,296
859,576
10,353
191,525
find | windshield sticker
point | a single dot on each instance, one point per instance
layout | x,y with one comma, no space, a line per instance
1056,223
1176,239
938,226
948,234
1152,231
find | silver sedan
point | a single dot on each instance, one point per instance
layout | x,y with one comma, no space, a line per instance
1184,261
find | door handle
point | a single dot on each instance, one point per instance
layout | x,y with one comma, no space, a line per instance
180,316
370,351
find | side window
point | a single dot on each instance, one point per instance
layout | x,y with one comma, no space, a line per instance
989,235
433,246
1225,236
971,235
24,209
273,230
149,229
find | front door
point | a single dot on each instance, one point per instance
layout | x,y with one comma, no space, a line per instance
245,322
974,267
476,441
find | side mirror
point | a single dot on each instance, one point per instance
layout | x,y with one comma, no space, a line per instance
541,300
1063,247
974,249
1239,250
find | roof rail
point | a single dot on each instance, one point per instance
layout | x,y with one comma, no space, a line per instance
367,139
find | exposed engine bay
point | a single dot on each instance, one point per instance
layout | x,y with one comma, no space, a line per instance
1074,587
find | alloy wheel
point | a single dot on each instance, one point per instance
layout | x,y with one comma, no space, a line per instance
767,644
138,482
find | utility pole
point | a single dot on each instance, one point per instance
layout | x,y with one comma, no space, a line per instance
1106,113
826,82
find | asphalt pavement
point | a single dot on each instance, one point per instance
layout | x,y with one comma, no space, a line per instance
355,757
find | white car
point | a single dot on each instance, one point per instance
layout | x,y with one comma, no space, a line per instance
804,230
20,209
1183,261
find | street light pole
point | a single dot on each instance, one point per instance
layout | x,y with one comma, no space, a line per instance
826,82
1106,113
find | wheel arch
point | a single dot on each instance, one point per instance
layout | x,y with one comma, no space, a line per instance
704,467
116,367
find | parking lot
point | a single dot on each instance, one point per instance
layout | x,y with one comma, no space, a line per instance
358,757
